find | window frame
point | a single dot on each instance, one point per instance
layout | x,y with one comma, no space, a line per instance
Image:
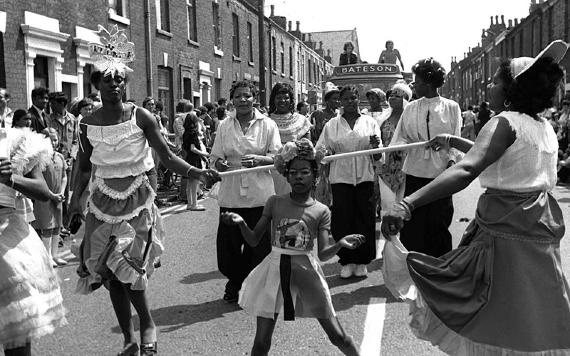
235,35
160,13
192,33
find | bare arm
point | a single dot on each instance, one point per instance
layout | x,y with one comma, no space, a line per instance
156,140
490,145
198,152
328,250
32,185
84,170
399,58
252,237
447,140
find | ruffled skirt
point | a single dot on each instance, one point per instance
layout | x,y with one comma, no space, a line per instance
30,298
501,292
262,295
123,234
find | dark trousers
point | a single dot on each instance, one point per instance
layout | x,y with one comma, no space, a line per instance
428,230
353,212
235,257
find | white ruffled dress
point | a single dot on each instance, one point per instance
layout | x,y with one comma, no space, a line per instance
30,298
123,228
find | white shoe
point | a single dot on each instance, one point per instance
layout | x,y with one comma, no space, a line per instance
361,271
347,270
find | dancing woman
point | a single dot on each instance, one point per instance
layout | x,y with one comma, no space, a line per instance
30,298
502,291
123,231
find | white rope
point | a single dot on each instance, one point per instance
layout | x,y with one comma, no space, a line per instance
372,151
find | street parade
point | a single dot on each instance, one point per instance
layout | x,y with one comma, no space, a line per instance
200,177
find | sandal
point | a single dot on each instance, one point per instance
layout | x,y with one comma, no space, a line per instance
149,349
130,349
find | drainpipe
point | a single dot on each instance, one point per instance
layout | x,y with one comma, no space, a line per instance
148,47
261,31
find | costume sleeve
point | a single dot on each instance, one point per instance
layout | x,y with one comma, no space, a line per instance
324,140
456,123
325,220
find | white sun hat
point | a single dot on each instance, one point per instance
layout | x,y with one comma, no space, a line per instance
555,50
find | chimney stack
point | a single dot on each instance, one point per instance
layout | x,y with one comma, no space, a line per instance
290,25
503,20
298,26
272,10
510,23
491,20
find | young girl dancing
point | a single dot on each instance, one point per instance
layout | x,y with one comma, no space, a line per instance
290,279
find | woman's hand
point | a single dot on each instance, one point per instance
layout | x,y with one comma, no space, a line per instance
250,161
229,218
352,241
57,197
209,176
393,222
222,165
440,141
5,171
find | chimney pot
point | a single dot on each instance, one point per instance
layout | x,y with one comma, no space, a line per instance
510,23
503,20
298,25
320,44
272,10
290,24
496,19
491,20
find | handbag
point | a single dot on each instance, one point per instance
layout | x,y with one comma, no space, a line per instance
139,264
101,266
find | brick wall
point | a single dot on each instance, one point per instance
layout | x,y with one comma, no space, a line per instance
170,50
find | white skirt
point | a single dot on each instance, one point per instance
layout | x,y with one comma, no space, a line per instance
261,294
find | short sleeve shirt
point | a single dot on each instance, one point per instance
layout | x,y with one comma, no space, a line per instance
294,225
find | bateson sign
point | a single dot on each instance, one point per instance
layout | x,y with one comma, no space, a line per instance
366,68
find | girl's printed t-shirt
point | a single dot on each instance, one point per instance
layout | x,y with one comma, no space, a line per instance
295,225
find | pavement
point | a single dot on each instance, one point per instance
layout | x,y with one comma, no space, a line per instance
185,298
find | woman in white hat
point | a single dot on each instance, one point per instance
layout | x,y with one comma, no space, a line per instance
502,291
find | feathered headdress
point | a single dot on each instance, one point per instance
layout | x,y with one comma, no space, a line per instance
302,149
114,52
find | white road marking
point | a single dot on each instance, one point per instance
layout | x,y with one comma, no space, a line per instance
373,327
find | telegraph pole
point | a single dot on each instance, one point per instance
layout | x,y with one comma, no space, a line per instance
261,31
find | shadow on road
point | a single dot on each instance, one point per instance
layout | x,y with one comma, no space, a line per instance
201,277
176,317
361,296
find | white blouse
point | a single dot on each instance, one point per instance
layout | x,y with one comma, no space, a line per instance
529,164
435,116
338,137
119,150
261,138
